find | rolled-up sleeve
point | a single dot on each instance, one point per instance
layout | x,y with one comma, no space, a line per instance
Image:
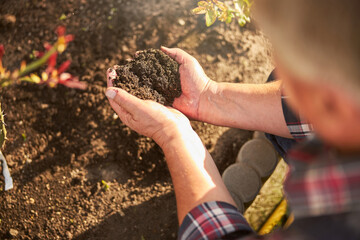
214,220
298,126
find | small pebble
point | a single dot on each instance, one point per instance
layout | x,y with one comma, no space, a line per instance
181,22
124,48
69,235
8,19
13,232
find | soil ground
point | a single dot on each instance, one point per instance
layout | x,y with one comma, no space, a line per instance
64,142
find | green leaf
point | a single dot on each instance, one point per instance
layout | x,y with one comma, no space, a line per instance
229,17
113,10
24,136
199,10
210,17
247,2
62,17
242,22
203,4
106,186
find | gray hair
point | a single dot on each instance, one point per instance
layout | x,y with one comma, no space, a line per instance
315,39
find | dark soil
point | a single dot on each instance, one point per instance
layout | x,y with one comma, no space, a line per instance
63,142
151,75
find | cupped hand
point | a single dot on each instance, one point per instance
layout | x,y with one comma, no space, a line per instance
144,116
194,83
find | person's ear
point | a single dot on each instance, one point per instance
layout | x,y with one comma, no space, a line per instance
337,110
330,104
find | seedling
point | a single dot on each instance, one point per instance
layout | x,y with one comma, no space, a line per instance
106,186
52,76
62,17
24,136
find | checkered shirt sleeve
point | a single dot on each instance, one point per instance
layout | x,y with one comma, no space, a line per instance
299,128
214,220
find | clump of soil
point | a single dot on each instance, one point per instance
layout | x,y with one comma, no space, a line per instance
151,75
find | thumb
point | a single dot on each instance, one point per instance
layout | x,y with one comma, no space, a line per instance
176,53
124,99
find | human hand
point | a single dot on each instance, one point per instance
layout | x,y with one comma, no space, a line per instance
194,83
144,116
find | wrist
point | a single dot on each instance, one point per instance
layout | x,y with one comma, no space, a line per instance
206,101
184,139
171,133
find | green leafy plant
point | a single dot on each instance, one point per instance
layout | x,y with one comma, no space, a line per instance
224,11
51,76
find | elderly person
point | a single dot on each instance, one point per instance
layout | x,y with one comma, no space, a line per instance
317,53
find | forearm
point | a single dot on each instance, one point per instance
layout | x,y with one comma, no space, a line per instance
246,106
194,173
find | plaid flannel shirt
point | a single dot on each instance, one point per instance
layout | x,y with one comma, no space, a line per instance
299,128
323,190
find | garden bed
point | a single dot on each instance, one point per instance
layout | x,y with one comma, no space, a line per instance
78,172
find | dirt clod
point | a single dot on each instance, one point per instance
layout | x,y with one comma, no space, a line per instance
152,75
13,232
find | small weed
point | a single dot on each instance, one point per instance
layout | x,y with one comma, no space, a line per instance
113,10
24,136
32,55
106,186
62,17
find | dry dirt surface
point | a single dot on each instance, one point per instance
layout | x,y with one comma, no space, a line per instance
78,172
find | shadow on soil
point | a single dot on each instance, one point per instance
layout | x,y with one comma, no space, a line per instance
137,222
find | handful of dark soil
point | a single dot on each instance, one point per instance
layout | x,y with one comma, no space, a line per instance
152,75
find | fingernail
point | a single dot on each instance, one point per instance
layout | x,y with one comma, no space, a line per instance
110,70
163,47
137,53
111,73
110,93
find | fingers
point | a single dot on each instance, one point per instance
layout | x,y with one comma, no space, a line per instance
123,115
125,100
176,53
110,76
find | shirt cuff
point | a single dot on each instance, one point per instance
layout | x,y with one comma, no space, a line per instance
214,220
299,128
